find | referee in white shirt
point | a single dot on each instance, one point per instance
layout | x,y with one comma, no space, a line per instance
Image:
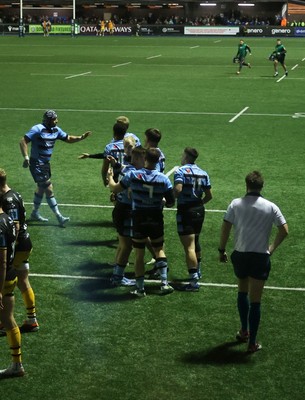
253,218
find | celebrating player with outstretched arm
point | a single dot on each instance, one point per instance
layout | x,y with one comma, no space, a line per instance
43,137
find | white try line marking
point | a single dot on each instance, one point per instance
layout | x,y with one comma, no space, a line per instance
121,65
294,67
194,47
110,206
75,76
146,112
239,114
149,58
224,285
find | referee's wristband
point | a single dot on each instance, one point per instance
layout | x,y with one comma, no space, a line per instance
26,158
222,251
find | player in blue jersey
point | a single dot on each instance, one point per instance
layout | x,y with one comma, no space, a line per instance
152,139
121,216
14,207
114,149
42,138
122,120
192,189
148,188
125,120
8,281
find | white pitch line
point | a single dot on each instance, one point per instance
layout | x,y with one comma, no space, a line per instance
75,76
239,114
149,58
143,112
172,170
217,41
294,67
104,206
303,59
223,285
121,65
194,47
281,78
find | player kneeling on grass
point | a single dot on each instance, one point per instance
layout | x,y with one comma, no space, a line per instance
252,217
8,281
148,189
190,184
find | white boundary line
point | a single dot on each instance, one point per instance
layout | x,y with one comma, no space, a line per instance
75,76
149,58
210,284
294,67
303,59
145,112
194,47
239,114
121,65
104,206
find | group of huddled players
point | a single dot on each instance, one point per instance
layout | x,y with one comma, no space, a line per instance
139,190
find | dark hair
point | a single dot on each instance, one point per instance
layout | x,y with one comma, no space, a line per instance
191,153
138,151
152,155
153,135
254,180
2,177
48,117
119,130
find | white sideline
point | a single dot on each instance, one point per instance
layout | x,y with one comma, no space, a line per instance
110,206
225,285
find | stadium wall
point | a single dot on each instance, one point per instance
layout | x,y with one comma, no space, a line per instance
160,30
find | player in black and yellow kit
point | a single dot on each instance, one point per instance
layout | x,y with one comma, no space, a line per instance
14,207
8,281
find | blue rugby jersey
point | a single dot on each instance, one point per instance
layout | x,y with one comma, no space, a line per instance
194,180
43,140
148,188
160,166
124,197
137,140
115,149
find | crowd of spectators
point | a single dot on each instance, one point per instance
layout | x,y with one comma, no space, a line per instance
150,19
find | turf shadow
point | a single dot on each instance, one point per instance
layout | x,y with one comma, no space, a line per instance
223,354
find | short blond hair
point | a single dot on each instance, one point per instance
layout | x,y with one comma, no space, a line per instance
129,143
123,120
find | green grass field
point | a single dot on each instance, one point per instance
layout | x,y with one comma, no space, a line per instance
96,342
